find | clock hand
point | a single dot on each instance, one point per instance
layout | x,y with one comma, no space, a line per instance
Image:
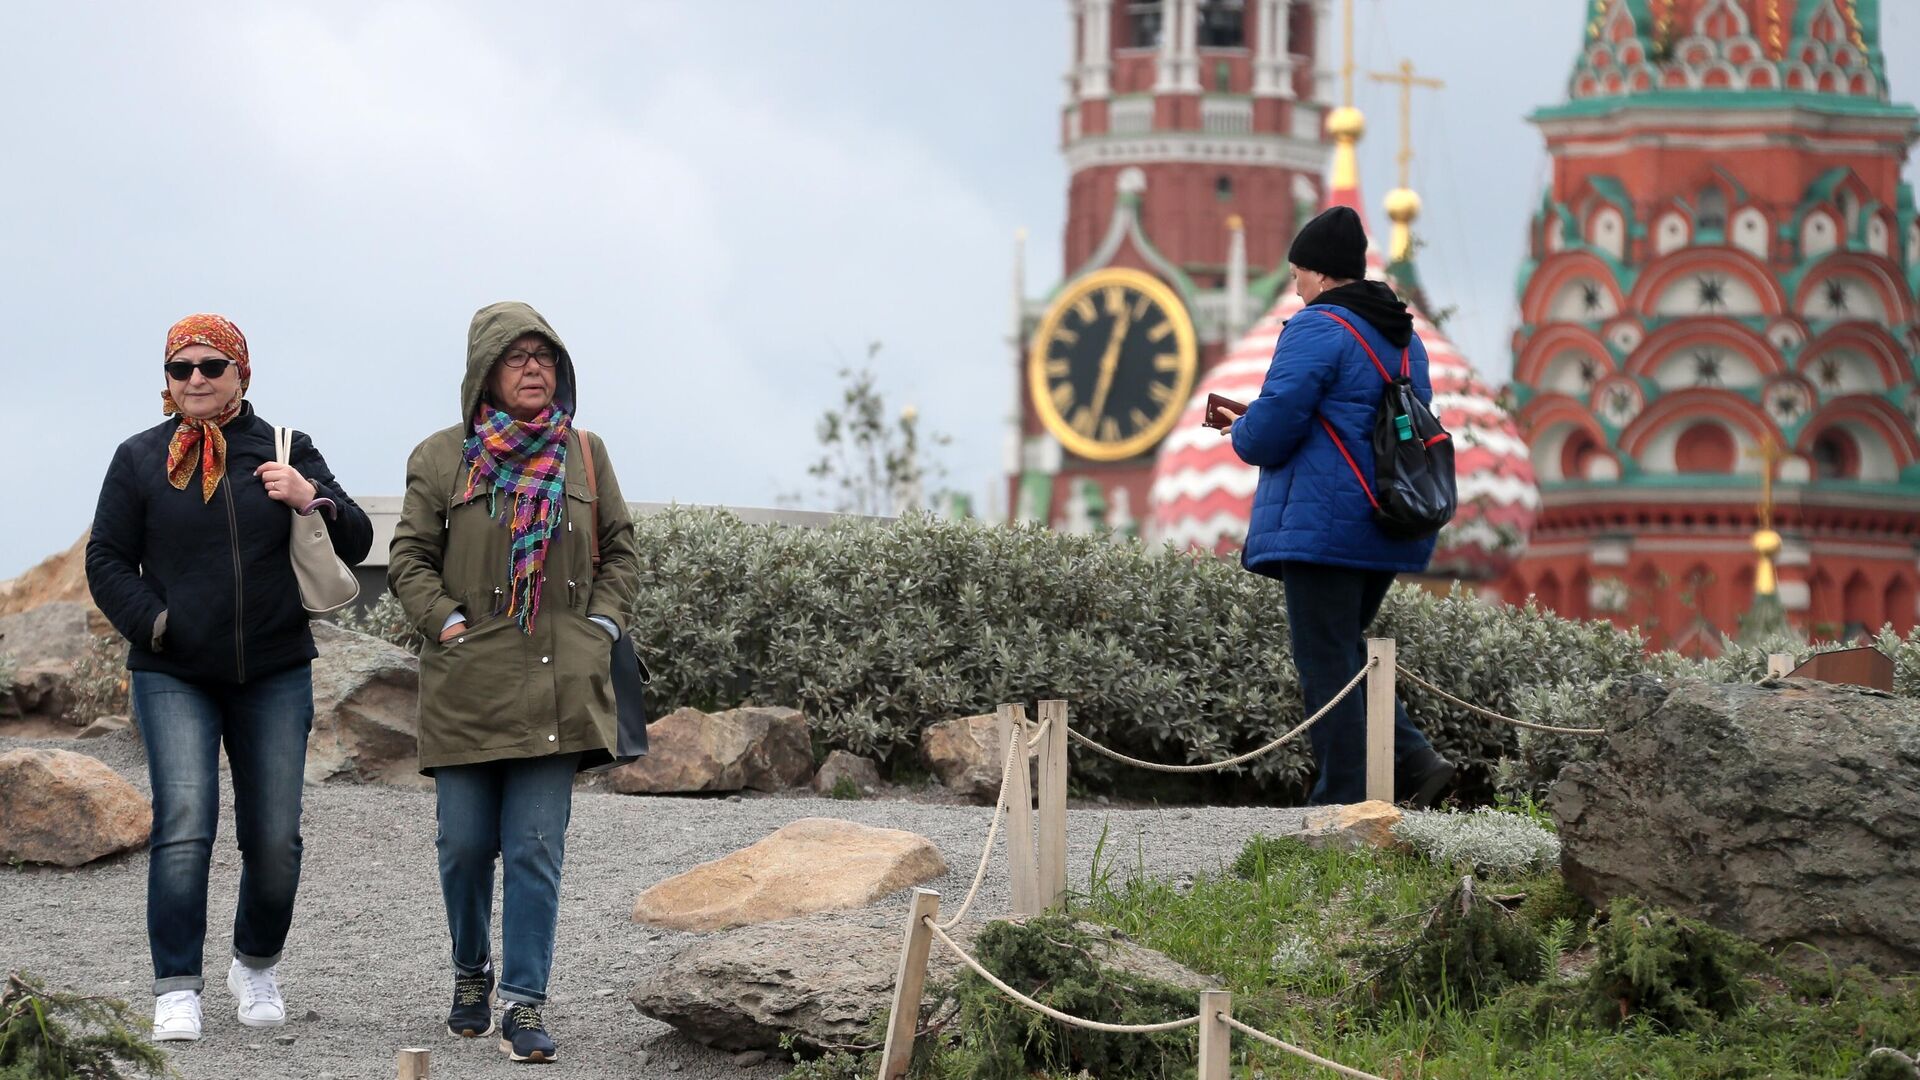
1110,361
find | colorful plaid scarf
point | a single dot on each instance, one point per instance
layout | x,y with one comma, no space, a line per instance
198,444
528,461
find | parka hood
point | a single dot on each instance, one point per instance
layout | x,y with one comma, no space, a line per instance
495,327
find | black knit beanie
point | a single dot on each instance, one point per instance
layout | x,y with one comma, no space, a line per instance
1334,244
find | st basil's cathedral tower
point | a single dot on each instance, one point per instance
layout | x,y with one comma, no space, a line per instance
1193,137
1715,367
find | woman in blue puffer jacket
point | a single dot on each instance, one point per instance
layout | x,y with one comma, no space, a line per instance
1310,432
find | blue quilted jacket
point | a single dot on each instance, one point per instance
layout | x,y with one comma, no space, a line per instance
1309,506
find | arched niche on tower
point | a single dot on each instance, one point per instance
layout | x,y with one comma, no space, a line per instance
1567,444
1672,231
1749,231
1669,356
1853,287
1717,427
1879,235
1854,358
1606,230
1572,287
1864,433
1724,282
1546,360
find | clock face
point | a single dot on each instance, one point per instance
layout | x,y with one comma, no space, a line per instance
1112,365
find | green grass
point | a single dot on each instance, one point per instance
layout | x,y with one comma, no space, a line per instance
1296,933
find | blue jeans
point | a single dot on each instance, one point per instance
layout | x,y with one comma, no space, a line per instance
516,810
264,724
1329,609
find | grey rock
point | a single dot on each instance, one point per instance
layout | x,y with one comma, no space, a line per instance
365,696
765,749
284,1040
673,1066
821,979
1784,812
641,1059
749,1059
256,1046
966,755
56,632
863,773
105,725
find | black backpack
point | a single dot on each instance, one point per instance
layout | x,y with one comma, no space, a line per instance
1413,492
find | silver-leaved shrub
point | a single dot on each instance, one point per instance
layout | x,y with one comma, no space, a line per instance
1486,840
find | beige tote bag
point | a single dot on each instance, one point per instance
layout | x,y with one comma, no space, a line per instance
326,583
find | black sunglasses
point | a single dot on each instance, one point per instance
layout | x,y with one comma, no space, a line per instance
182,370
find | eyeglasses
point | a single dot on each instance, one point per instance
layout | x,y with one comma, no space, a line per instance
182,370
518,359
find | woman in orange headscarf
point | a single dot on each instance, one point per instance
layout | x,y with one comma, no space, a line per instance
189,559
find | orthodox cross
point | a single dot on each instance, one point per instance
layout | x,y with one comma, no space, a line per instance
1406,80
1770,455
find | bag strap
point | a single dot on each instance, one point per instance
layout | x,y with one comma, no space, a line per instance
1351,464
283,445
593,488
1406,354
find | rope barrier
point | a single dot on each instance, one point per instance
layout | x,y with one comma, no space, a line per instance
1491,715
1232,761
1048,1011
1294,1050
1014,753
1039,734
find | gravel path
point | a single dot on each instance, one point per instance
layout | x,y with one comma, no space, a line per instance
366,969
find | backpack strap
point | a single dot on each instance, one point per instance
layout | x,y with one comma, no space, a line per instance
1351,464
1406,354
1406,372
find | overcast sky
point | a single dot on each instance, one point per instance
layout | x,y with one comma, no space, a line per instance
717,204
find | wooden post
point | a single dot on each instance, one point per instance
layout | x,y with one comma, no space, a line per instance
413,1064
908,982
1216,1038
1779,665
1053,806
1385,656
1022,874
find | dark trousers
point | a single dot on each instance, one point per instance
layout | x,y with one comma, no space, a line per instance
1329,609
516,811
264,724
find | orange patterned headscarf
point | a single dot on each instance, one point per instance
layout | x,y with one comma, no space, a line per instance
201,443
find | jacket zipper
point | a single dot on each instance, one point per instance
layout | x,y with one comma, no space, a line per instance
239,595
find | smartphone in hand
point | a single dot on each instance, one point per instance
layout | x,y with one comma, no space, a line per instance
1216,418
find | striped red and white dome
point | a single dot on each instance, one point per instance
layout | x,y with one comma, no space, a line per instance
1202,492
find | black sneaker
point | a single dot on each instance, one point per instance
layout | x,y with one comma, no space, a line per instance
1422,778
472,1014
523,1037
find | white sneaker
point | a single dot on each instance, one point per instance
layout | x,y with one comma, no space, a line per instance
258,993
176,1016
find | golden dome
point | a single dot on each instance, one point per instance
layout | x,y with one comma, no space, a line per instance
1403,205
1346,122
1766,542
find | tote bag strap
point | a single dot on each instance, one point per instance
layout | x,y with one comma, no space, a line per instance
593,488
283,445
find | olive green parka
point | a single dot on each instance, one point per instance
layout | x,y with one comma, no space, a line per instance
495,692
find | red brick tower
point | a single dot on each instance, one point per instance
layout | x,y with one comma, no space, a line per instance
1193,133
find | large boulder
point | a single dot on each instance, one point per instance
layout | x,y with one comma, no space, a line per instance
863,774
965,753
366,694
58,578
43,644
1787,811
822,980
814,864
688,751
67,809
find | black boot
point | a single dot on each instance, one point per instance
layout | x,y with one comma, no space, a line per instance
1422,778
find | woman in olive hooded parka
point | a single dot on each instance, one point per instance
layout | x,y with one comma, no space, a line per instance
493,561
